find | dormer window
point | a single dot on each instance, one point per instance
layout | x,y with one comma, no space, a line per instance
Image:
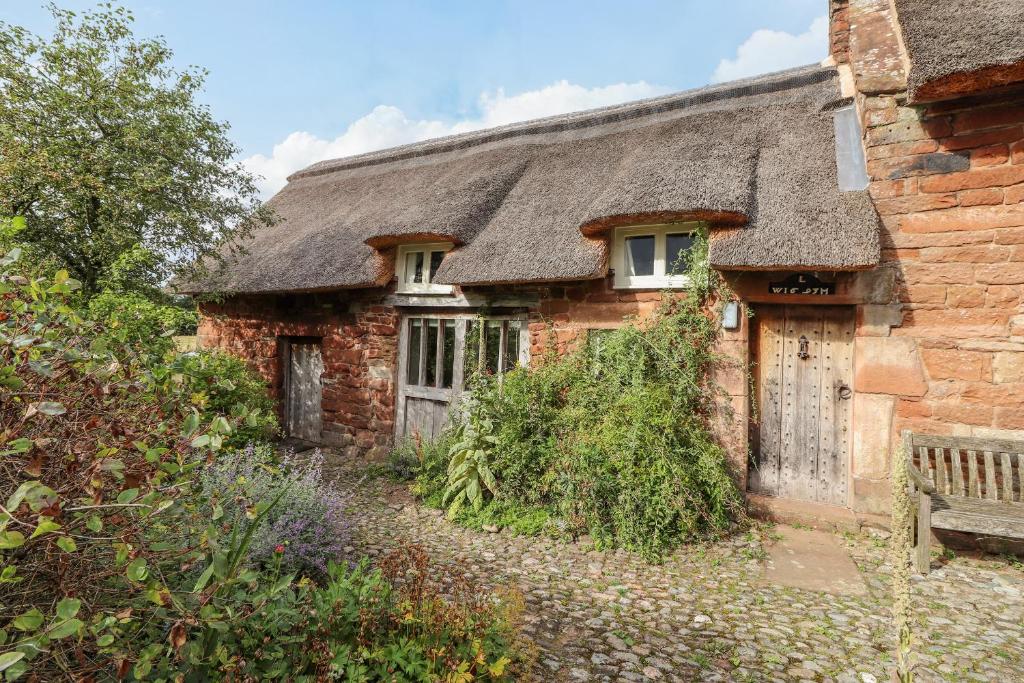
416,266
652,256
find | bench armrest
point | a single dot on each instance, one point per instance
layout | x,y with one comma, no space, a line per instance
923,483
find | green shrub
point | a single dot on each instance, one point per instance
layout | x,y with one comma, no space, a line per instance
469,472
217,383
432,471
134,318
99,452
417,627
614,438
403,461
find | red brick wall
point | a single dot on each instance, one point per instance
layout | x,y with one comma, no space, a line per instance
839,30
359,344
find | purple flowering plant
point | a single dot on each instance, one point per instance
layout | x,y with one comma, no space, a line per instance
304,531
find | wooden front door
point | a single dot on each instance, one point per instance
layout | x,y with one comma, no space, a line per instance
436,355
304,390
805,401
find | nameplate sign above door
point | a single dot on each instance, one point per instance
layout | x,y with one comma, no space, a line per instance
802,283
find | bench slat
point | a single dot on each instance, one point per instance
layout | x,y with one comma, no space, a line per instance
990,476
941,480
1004,462
978,516
973,443
958,473
974,486
1020,477
926,463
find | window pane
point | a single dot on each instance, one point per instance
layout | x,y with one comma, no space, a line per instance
412,373
435,262
448,360
640,255
677,246
512,345
493,342
432,329
414,267
471,353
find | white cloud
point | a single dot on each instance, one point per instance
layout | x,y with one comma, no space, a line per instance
387,126
767,50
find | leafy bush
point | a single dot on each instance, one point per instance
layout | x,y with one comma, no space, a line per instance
432,470
134,318
132,309
217,383
97,454
614,439
305,530
403,461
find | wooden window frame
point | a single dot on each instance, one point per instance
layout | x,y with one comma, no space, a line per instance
425,287
459,374
660,279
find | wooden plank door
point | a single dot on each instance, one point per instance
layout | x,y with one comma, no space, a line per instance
805,379
305,391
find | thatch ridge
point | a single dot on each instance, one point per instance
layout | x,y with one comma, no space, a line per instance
758,85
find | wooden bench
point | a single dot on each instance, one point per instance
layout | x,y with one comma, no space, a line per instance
964,484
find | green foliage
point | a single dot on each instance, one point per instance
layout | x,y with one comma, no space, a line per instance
415,632
106,148
133,310
614,439
520,519
432,472
97,455
469,473
135,319
218,383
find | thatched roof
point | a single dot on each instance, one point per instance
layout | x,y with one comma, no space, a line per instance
961,46
528,202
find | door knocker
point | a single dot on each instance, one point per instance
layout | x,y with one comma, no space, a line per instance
845,392
804,346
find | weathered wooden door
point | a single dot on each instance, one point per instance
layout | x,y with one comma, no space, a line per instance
805,392
304,390
437,353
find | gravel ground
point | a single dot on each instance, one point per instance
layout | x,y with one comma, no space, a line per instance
707,614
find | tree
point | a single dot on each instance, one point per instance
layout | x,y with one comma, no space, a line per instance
104,148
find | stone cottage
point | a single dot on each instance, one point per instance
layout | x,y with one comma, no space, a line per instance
868,212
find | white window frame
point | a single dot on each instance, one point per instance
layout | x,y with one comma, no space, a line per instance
425,287
659,280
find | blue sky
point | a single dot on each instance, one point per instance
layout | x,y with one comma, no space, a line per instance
310,79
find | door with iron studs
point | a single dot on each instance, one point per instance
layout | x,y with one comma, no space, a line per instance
804,380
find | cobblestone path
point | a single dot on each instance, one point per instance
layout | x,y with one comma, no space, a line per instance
706,614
